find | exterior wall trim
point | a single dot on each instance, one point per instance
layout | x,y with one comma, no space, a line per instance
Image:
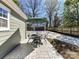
10,4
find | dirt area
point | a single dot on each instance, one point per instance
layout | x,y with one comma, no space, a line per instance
67,50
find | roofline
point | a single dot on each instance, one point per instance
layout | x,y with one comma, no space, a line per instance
10,4
37,17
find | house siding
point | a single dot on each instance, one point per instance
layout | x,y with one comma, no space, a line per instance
9,44
14,24
10,38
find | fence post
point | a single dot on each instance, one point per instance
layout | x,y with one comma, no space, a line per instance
70,30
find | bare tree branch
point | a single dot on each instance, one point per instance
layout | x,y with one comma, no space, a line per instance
34,6
50,8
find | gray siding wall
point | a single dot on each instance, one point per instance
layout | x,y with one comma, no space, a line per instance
12,37
10,43
14,24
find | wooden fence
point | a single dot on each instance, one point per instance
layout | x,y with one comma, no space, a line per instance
72,31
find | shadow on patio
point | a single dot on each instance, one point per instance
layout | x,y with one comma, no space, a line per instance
20,52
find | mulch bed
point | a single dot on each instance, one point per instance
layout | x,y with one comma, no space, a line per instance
68,51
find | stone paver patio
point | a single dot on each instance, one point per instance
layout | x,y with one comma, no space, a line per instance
45,51
27,51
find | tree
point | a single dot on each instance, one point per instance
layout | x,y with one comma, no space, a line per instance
50,9
71,13
56,22
32,7
57,17
16,2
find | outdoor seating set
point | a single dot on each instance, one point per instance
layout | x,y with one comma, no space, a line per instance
35,39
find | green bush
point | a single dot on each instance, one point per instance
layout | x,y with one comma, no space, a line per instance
0,14
16,2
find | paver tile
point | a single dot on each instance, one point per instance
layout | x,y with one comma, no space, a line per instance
45,51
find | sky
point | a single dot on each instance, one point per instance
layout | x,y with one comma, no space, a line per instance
61,8
43,13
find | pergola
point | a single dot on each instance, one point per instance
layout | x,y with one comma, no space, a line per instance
37,22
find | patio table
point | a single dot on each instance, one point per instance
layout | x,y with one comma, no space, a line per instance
35,38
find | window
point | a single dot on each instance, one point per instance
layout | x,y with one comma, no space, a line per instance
4,19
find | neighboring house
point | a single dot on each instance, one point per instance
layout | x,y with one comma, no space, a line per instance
12,26
37,23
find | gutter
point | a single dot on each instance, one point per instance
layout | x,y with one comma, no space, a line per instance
15,9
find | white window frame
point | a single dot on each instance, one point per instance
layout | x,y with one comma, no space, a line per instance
8,21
